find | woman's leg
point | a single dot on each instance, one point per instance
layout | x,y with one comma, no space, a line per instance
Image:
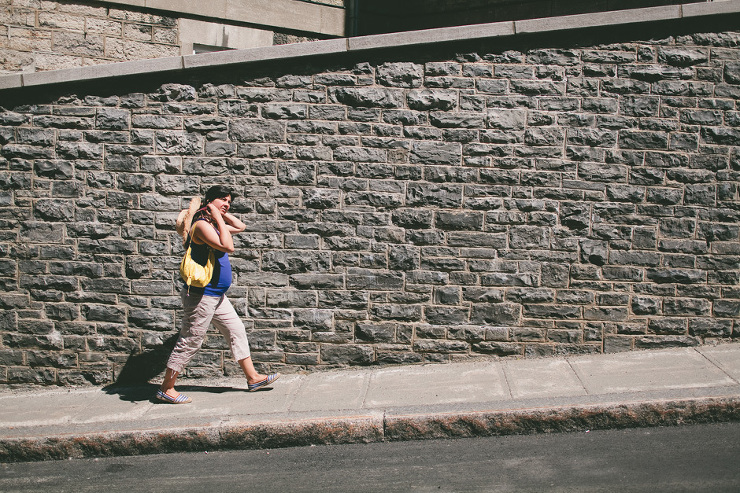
168,384
227,321
250,372
198,311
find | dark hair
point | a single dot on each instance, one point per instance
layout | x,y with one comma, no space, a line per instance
218,192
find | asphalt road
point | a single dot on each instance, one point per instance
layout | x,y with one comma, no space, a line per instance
685,458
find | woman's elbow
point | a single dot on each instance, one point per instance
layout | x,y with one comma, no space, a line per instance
224,248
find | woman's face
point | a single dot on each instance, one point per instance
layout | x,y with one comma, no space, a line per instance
223,204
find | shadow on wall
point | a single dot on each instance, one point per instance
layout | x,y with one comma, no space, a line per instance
142,367
386,16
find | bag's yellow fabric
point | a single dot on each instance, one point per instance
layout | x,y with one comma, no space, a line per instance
195,274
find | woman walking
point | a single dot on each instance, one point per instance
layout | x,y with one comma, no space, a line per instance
211,228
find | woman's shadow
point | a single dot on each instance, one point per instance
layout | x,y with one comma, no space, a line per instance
133,381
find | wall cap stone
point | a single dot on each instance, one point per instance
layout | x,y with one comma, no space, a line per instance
102,71
378,41
431,36
11,81
599,19
710,8
326,47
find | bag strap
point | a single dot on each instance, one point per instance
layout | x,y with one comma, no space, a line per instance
192,225
189,242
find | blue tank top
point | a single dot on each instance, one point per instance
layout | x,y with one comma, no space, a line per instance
221,280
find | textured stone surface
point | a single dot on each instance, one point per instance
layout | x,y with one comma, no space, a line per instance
518,203
74,34
54,35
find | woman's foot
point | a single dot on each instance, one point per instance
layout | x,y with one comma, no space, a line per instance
261,381
173,397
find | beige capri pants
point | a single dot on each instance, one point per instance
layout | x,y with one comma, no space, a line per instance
199,312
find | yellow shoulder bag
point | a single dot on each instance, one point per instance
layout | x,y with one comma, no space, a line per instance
195,274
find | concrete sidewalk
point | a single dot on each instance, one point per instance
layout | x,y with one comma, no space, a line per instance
649,388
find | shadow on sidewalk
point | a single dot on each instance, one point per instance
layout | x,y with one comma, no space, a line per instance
138,393
133,381
147,391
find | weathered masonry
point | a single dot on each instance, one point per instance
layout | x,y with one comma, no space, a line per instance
57,34
516,189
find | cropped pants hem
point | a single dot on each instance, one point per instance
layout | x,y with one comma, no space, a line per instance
199,312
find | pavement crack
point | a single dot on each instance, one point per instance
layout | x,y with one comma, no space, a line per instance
365,389
718,366
290,401
578,376
506,379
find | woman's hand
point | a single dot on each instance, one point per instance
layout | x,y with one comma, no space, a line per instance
214,211
205,233
233,224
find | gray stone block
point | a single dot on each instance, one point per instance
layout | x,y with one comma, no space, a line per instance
256,131
457,120
683,57
431,99
630,139
435,153
368,97
721,135
400,74
354,354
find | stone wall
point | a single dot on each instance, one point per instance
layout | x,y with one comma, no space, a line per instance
51,35
520,199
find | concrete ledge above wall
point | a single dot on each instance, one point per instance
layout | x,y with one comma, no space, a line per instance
430,36
327,47
103,71
599,19
362,43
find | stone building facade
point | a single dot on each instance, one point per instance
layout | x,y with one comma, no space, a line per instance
498,197
37,35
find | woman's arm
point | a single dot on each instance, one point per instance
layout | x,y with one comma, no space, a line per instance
203,232
233,224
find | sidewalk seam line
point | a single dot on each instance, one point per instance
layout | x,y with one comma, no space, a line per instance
504,367
578,376
366,389
719,367
294,395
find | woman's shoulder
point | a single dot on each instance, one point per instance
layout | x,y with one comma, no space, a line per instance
200,226
199,221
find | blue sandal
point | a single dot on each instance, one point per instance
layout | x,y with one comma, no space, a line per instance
267,381
180,399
